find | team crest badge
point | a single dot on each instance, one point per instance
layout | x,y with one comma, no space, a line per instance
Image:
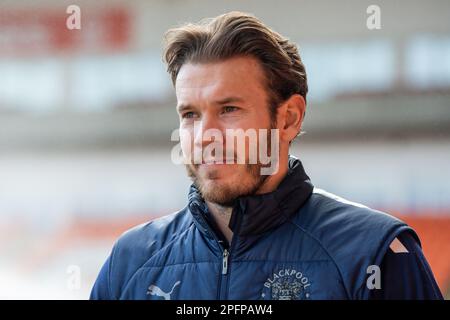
286,284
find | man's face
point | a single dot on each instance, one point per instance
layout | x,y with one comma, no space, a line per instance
222,95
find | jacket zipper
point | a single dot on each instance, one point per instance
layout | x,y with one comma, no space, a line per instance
225,261
224,273
221,289
225,277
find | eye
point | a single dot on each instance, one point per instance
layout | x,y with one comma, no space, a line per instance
228,109
188,115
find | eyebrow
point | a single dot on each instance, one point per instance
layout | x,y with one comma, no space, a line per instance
229,100
232,99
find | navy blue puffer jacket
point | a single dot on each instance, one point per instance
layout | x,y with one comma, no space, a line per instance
297,242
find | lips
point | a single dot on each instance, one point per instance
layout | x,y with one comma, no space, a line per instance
218,161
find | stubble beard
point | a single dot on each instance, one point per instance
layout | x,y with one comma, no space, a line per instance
225,194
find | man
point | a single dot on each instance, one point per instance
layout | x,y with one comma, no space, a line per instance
244,234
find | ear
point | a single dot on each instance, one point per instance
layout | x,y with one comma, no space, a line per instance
290,117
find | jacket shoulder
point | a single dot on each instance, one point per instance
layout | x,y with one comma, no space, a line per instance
353,235
325,211
138,244
153,234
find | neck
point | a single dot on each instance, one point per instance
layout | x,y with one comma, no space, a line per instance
222,216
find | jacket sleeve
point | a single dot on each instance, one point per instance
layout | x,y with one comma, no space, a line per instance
101,289
406,274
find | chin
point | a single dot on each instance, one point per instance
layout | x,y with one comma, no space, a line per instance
218,191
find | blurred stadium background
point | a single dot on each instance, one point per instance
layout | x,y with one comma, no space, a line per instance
86,117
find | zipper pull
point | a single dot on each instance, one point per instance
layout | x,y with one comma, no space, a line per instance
225,261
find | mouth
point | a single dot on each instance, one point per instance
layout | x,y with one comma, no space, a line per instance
209,162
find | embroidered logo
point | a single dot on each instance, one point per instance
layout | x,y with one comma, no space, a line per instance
286,284
157,291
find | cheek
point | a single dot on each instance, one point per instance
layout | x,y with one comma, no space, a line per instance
186,142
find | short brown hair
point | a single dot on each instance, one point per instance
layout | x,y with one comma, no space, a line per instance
234,34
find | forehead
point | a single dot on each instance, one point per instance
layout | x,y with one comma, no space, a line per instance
239,76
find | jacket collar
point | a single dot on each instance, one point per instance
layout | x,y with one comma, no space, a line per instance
256,214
